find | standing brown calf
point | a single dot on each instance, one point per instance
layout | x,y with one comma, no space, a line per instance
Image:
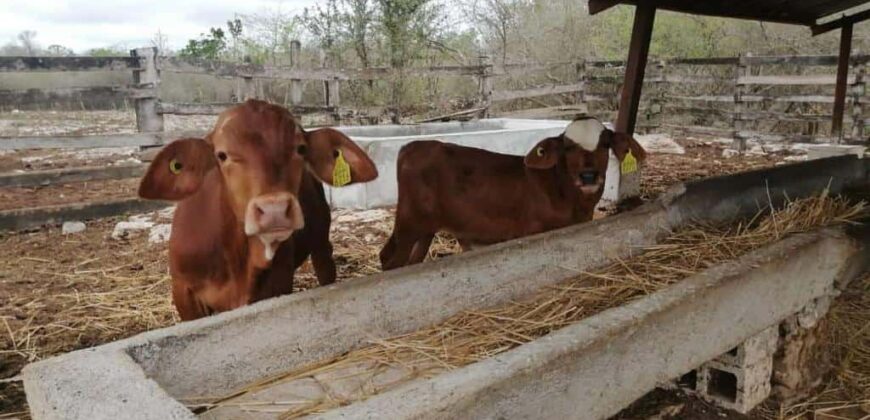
251,206
483,197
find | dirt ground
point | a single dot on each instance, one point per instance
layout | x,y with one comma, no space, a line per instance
60,293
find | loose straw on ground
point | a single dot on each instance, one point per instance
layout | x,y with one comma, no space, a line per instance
474,335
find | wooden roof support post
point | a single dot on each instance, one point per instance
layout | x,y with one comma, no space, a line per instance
641,34
629,190
842,79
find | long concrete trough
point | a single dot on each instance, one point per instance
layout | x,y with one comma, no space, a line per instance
502,135
595,367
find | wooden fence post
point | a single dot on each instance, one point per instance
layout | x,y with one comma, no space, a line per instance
582,77
246,87
742,70
333,99
655,112
148,119
295,84
859,89
484,83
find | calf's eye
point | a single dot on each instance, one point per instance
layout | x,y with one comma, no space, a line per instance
335,153
302,149
222,156
540,151
175,166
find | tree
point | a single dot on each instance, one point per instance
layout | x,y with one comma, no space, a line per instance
408,26
497,18
27,40
59,51
112,51
234,27
357,25
323,21
208,46
161,42
269,35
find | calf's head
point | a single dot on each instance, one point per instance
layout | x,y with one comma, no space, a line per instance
582,151
259,153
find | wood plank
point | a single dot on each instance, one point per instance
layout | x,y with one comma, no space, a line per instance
180,108
782,116
790,80
193,108
92,141
841,22
695,110
638,51
50,64
507,95
547,112
518,69
702,98
75,98
448,117
690,79
767,11
712,61
815,99
224,69
30,218
703,130
70,175
801,60
605,63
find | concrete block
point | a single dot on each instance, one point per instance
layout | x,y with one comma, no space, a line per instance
820,151
740,379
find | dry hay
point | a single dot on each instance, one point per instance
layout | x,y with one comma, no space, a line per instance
847,394
471,336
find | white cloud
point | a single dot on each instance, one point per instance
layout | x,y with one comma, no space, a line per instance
85,24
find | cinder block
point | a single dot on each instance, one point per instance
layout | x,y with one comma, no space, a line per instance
739,379
758,347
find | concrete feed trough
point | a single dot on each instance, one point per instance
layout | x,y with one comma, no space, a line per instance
382,143
596,366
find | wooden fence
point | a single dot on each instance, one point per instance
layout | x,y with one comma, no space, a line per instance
736,94
660,100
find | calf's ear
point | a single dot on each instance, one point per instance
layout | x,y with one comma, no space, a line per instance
621,143
337,160
178,170
544,155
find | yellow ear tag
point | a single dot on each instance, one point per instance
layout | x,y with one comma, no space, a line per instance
175,166
341,172
629,164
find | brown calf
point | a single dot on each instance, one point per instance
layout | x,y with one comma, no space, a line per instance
249,212
483,197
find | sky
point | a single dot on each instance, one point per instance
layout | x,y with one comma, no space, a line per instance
86,24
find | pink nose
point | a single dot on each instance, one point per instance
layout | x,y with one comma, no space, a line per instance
273,212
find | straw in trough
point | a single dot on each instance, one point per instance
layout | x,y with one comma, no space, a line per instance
477,334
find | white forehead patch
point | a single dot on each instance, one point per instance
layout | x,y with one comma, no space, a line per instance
585,133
